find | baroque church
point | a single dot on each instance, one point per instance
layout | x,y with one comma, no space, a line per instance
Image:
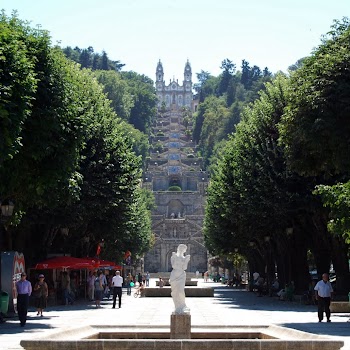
174,94
175,175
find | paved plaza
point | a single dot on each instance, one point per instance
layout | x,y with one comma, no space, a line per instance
229,307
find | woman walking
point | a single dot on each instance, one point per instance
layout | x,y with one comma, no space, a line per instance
41,292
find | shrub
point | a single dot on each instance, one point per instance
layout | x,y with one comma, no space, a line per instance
174,188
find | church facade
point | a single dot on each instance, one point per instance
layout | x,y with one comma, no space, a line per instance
175,175
174,94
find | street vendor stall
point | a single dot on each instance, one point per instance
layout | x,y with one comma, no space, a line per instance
53,269
77,269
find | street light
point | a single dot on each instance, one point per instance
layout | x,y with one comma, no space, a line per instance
7,208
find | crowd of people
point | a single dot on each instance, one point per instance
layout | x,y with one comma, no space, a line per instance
101,285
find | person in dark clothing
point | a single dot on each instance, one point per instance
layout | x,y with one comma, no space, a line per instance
24,290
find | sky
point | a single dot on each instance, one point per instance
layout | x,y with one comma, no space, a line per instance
139,33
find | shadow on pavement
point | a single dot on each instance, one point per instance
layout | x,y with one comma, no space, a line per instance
323,328
235,298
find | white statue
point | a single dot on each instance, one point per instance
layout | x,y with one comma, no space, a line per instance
177,280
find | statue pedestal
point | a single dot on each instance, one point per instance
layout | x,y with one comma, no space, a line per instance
180,326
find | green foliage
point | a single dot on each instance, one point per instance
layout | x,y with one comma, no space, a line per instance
18,82
139,140
44,169
337,198
315,128
117,92
158,147
214,117
143,111
69,160
174,188
222,100
249,190
90,59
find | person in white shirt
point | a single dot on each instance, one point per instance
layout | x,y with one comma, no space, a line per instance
323,295
117,283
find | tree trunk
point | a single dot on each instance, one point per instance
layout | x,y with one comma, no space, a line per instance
341,264
300,269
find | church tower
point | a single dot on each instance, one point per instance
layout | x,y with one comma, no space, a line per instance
174,95
159,76
188,77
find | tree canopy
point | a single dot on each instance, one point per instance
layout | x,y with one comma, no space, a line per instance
68,161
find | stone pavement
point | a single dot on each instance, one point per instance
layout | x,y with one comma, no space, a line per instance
229,307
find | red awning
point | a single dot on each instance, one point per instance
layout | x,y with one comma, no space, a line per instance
68,262
65,262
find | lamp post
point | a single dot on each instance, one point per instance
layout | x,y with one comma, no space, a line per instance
6,212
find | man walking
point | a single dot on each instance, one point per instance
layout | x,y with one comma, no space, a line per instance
117,283
323,294
147,279
24,290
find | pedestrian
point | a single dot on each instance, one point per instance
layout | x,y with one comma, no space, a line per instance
129,280
98,289
91,285
117,283
67,293
139,277
323,295
24,290
141,290
197,274
206,276
147,279
260,286
161,282
41,292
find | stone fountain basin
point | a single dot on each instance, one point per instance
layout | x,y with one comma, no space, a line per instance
158,337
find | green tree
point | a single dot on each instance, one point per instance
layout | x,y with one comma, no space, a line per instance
337,198
252,193
202,77
143,111
228,69
18,81
44,168
315,128
117,92
104,61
